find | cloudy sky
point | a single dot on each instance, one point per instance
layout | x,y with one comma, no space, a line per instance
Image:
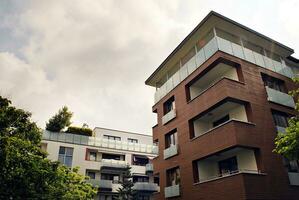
94,55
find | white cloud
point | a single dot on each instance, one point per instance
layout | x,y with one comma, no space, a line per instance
94,56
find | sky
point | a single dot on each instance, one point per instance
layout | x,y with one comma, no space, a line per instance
94,55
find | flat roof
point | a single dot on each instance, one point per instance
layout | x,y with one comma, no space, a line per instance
213,13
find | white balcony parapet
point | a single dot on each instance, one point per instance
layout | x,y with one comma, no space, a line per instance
231,173
99,142
171,151
172,191
215,44
149,167
293,178
280,97
145,186
100,183
113,163
169,116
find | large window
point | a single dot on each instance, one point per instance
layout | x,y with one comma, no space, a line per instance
229,165
280,118
66,156
173,176
140,160
169,105
274,83
171,139
91,174
221,120
140,179
110,137
111,177
111,156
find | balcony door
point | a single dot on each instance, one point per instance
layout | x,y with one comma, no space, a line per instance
228,166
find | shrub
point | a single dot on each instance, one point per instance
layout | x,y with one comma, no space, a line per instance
79,130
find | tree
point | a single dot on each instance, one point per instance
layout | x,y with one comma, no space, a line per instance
26,173
287,144
126,191
60,120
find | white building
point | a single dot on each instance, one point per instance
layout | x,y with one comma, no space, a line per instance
104,157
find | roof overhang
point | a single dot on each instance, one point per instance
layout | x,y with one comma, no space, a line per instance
217,20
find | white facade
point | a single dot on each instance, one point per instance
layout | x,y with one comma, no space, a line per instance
104,156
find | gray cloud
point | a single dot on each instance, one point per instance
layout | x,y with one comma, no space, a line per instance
95,55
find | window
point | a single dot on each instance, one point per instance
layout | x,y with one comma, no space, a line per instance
173,176
130,140
93,156
274,83
105,197
169,105
229,165
110,137
143,197
140,179
221,120
140,160
157,179
111,177
171,138
280,118
92,175
111,156
66,156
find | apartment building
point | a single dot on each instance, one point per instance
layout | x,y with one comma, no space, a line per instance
104,157
221,96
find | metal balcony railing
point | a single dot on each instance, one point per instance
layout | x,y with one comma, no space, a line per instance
99,142
280,97
172,191
215,44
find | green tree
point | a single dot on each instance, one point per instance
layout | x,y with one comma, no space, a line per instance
126,191
60,120
26,173
287,144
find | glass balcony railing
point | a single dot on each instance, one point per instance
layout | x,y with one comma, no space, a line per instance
149,167
293,178
100,183
280,97
99,142
110,163
171,151
172,191
169,116
145,186
215,44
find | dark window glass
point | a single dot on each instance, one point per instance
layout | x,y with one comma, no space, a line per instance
92,175
110,177
274,83
229,165
171,138
173,176
221,121
140,179
280,118
110,156
140,160
110,137
65,156
169,105
132,140
157,179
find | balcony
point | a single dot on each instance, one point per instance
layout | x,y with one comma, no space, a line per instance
169,116
172,191
98,142
146,187
170,151
281,98
108,165
212,119
107,184
229,163
231,48
220,71
293,178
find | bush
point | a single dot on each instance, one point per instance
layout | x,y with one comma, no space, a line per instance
79,130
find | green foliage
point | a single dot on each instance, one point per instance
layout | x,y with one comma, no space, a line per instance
79,130
60,120
126,191
287,144
26,173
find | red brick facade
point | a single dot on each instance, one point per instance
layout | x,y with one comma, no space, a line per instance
259,134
